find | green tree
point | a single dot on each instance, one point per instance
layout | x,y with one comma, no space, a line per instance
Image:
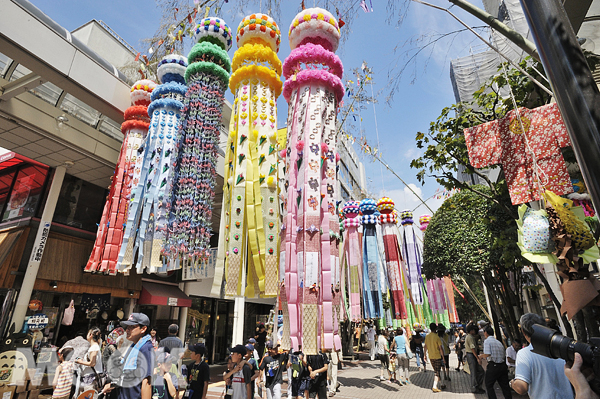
469,236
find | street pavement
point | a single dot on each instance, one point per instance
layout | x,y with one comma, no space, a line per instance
360,379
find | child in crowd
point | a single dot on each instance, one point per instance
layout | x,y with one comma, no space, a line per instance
392,367
63,377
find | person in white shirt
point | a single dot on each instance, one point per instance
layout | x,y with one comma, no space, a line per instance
383,352
539,376
511,356
92,361
371,333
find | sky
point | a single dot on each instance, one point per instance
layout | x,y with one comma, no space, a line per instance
424,89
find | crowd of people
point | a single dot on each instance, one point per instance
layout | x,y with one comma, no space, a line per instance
140,365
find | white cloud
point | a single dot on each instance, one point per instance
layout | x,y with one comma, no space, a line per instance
406,199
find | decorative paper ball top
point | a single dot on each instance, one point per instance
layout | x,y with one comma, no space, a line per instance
350,209
169,94
407,217
172,68
315,25
368,206
259,26
424,221
385,205
141,91
213,30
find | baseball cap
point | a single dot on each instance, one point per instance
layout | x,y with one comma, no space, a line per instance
136,319
241,349
250,347
252,341
197,348
271,345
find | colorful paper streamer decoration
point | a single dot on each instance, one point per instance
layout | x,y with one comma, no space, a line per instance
110,230
250,199
352,266
150,200
207,76
413,256
393,258
313,89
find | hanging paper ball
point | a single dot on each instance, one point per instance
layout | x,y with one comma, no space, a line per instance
141,91
350,209
315,25
385,205
172,68
368,206
213,30
261,27
407,217
424,221
208,58
136,117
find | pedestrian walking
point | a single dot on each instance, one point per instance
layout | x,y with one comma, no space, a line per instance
459,346
199,373
445,338
473,360
335,361
433,348
249,358
300,375
63,376
383,352
172,344
272,366
93,372
261,340
154,338
537,375
165,383
494,352
317,367
137,363
416,346
371,333
240,374
401,347
511,356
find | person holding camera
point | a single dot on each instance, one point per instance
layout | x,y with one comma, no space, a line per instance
537,375
493,351
580,383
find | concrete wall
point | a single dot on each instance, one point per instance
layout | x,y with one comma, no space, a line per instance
102,42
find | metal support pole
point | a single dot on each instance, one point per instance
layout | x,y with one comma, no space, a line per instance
576,92
39,245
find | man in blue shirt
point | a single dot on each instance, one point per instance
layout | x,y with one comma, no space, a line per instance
138,361
538,375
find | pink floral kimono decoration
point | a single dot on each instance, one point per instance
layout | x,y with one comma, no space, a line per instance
503,142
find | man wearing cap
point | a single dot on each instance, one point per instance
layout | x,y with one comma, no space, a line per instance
252,341
273,365
138,362
241,374
199,374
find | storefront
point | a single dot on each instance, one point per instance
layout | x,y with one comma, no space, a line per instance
161,301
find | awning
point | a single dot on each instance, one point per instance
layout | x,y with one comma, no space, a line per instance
163,294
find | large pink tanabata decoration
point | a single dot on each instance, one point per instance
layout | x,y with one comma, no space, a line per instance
110,231
313,89
527,143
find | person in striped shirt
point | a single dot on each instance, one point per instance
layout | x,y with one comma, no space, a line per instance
63,377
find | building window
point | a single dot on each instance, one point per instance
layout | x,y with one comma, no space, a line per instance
19,198
345,194
110,128
47,92
79,110
80,204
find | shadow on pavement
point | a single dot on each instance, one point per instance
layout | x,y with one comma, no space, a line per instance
368,383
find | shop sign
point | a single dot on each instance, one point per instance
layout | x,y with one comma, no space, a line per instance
38,251
37,322
172,301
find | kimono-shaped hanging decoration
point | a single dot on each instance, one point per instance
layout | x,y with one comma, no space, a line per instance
527,143
313,89
412,256
372,293
150,200
110,230
393,258
352,267
207,76
250,203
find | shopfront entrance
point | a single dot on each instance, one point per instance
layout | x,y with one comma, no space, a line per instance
210,321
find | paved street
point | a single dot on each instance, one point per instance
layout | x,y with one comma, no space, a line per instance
361,380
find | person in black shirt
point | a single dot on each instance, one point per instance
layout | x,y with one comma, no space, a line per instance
273,365
199,374
165,383
317,366
261,339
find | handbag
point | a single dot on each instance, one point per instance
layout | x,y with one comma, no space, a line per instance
409,353
69,314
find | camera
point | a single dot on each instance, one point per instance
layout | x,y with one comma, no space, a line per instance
550,343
